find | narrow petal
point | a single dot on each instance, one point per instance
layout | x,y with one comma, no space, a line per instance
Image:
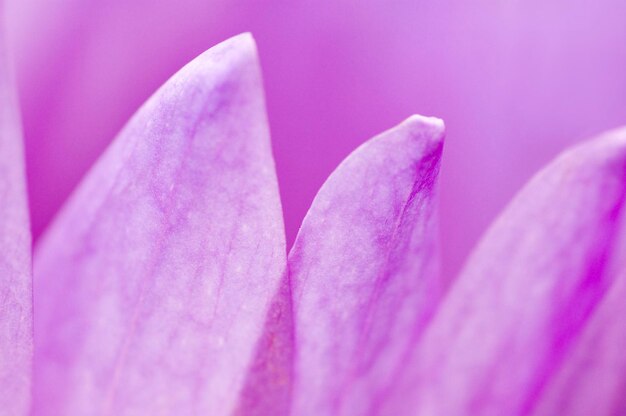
152,286
365,271
16,309
528,290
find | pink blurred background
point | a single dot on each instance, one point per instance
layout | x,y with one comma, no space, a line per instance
516,82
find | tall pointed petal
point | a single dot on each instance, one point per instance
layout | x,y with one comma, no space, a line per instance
16,311
527,292
364,270
152,287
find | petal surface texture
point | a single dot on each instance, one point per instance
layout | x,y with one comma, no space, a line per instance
365,271
518,310
16,310
153,285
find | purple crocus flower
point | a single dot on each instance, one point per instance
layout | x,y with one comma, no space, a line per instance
163,286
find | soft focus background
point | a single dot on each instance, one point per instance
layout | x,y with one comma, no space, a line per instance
516,82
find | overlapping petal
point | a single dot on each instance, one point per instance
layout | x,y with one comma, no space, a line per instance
16,328
365,272
535,284
153,284
268,386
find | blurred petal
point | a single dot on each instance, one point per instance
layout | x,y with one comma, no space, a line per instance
16,312
365,271
527,292
592,379
152,286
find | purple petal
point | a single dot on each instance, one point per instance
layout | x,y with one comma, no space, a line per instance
267,390
16,309
152,286
365,271
80,80
527,292
592,378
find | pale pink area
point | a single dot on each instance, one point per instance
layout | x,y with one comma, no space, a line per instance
16,311
516,313
365,272
516,82
153,284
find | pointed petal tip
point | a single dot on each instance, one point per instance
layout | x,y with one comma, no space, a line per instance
424,128
239,51
423,134
435,124
243,42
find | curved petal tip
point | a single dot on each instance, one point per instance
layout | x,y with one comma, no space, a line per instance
365,265
434,125
429,131
154,281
